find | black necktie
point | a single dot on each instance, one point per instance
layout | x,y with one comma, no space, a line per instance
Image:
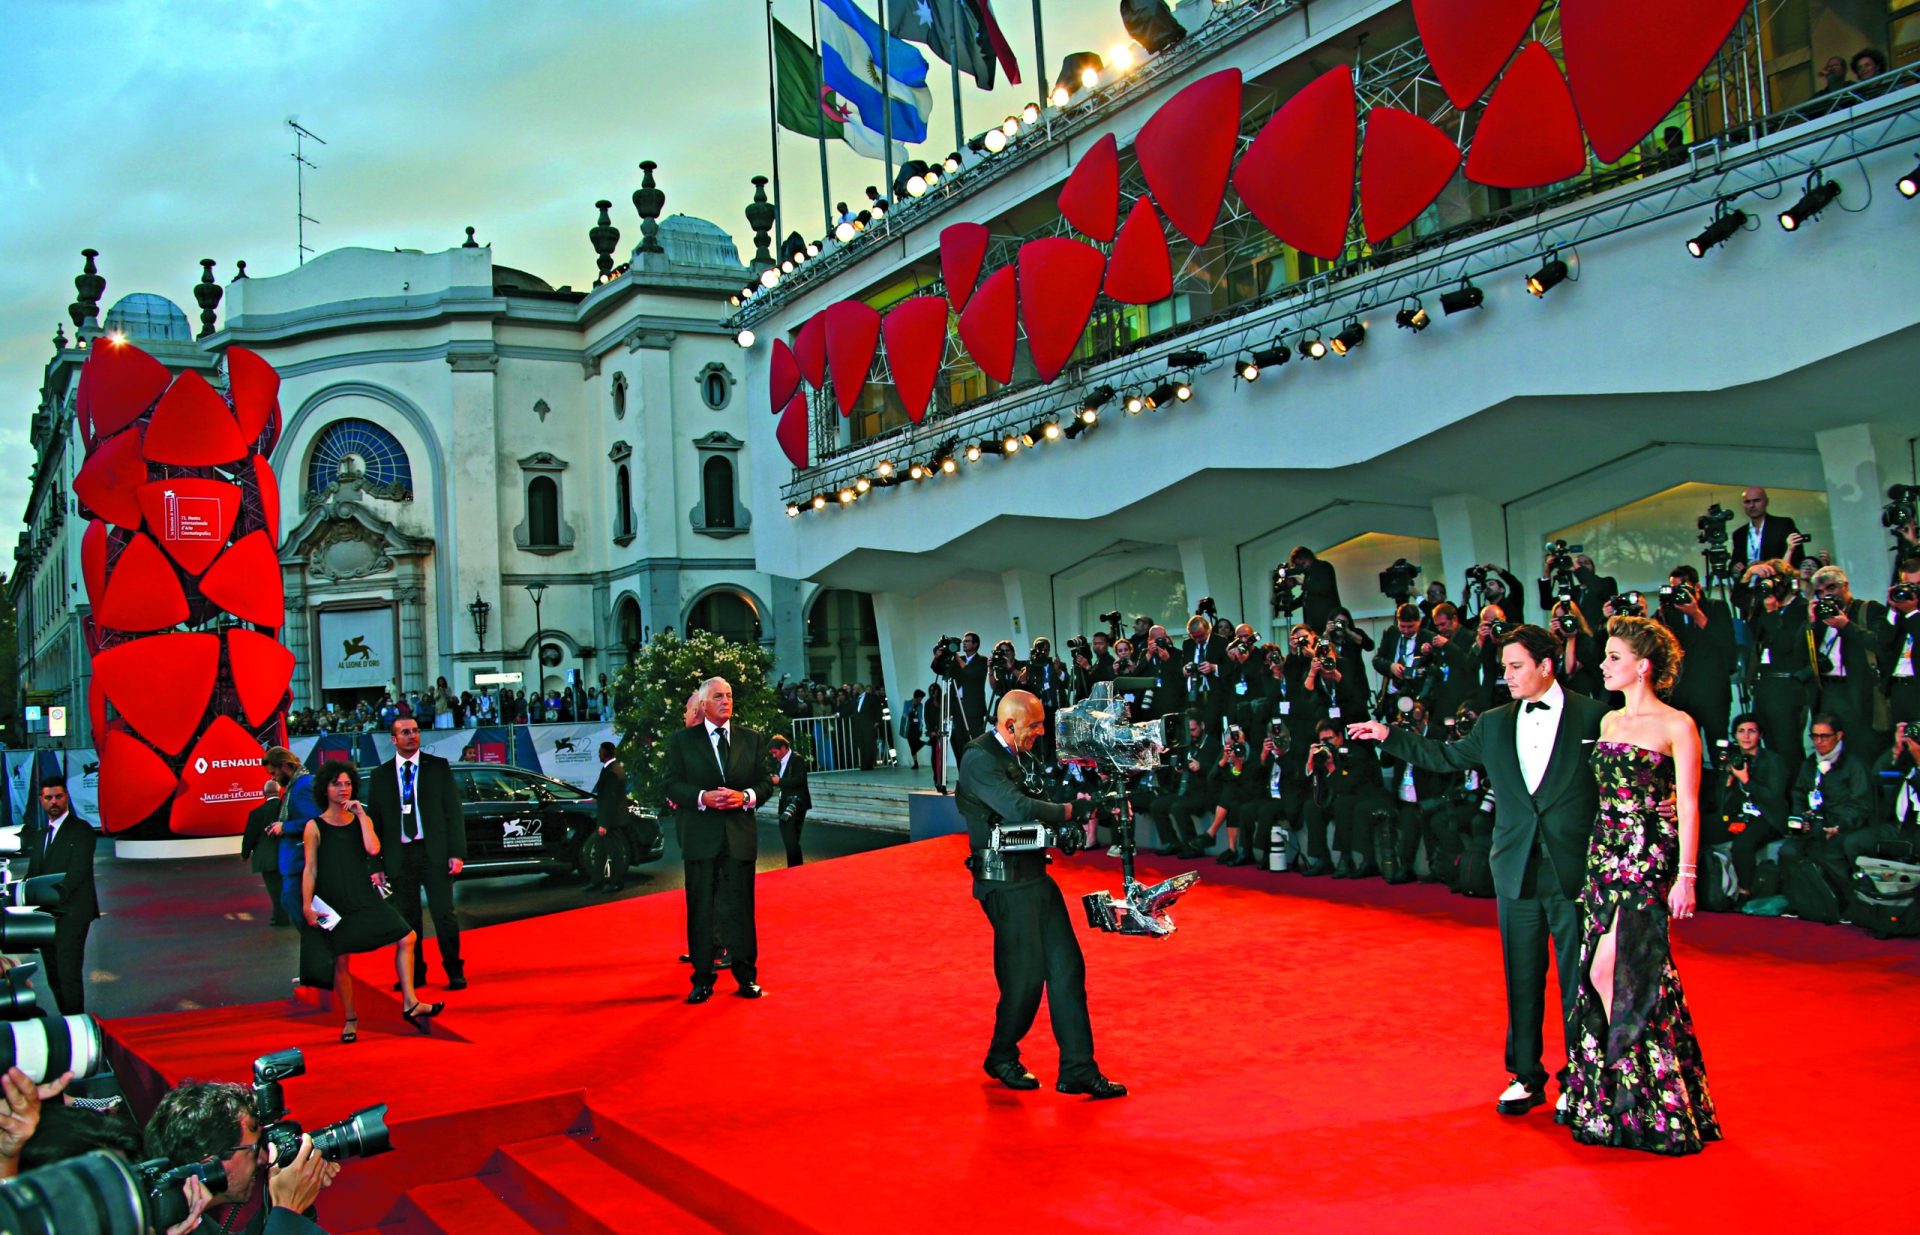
1537,704
720,743
410,811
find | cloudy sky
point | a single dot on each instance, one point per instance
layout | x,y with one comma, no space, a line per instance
155,131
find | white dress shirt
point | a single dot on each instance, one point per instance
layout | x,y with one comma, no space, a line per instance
1533,733
713,740
406,808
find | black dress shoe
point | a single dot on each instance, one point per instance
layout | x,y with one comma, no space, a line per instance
1013,1076
458,982
1098,1087
1519,1099
1314,867
700,994
1402,878
750,990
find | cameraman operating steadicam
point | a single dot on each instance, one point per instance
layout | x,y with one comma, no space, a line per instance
210,1119
1752,790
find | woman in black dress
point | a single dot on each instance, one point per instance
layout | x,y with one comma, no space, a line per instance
338,846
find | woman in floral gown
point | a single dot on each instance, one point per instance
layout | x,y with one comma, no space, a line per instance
1637,1079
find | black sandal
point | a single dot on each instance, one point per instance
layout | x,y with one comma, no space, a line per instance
420,1013
350,1030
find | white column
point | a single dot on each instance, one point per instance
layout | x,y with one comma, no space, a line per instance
1472,530
1212,568
1029,609
904,654
1860,461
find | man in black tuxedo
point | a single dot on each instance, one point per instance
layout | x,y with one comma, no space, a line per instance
415,805
866,723
1537,753
62,844
966,698
790,778
1034,947
610,820
716,774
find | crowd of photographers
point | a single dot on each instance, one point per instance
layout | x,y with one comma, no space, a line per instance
1808,697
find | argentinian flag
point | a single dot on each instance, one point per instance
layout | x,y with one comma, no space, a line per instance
850,63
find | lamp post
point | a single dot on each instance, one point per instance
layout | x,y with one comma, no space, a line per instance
479,609
537,590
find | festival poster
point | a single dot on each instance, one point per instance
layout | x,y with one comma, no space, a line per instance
83,784
355,649
571,752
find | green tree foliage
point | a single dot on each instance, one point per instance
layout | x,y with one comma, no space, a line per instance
651,695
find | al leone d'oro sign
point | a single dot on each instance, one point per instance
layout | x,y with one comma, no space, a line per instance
355,649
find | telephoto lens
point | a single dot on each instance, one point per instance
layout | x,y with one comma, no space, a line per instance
95,1192
360,1135
24,930
44,1046
18,999
38,892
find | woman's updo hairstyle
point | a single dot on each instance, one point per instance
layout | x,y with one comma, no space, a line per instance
1653,643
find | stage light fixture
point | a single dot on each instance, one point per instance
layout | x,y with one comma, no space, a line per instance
1314,348
786,267
1010,127
1909,184
952,164
1723,225
916,186
793,512
744,338
1247,368
1183,390
1075,429
1026,439
1818,197
932,176
1089,415
948,467
916,472
1079,71
885,468
844,232
819,501
1273,357
1098,397
1030,114
1189,359
1050,431
995,141
1009,444
1121,57
1060,96
733,301
1352,336
1462,298
813,248
1163,394
1414,319
1552,273
846,497
769,277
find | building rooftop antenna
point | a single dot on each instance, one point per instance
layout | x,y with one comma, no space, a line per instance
301,136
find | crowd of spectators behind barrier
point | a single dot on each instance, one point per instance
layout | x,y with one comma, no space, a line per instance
440,707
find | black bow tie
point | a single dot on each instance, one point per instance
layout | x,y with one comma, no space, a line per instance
1540,704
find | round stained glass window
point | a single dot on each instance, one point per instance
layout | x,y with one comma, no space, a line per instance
364,450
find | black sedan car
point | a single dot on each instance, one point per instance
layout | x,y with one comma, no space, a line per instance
520,821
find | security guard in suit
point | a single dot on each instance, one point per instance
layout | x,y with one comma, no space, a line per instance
1034,947
62,844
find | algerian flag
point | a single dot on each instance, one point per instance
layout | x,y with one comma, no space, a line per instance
850,43
803,103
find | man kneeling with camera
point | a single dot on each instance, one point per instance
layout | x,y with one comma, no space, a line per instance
215,1119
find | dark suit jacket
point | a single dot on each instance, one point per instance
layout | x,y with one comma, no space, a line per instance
1707,657
692,770
1590,592
1773,542
1846,790
262,851
610,797
1320,594
71,855
436,799
993,791
971,679
1560,815
794,794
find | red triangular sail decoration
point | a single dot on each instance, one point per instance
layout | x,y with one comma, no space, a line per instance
1090,200
161,686
134,781
792,432
916,334
1630,61
143,591
1403,167
114,469
1528,135
987,327
269,487
853,331
193,427
220,784
117,384
783,375
1297,176
1140,269
1468,40
256,393
963,249
1059,281
810,350
190,518
1186,149
246,582
261,668
93,561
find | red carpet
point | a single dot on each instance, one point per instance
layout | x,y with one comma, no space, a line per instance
1303,1053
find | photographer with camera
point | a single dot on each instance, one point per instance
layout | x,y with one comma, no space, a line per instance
1351,643
1752,792
1281,763
1900,642
1579,667
1708,652
1191,795
1848,652
1832,800
1896,776
1201,657
1344,788
1566,573
1496,586
1035,950
959,662
1419,794
1436,596
1401,661
1157,659
1464,822
1319,589
1237,793
1452,662
212,1119
1763,539
1782,665
789,776
1490,683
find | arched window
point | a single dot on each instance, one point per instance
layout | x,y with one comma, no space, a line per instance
726,614
619,396
717,490
364,450
714,389
623,502
543,511
627,621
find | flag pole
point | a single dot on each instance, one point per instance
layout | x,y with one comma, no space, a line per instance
1040,55
773,138
886,97
820,129
959,124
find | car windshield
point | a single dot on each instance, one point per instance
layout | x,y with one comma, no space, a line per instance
559,790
